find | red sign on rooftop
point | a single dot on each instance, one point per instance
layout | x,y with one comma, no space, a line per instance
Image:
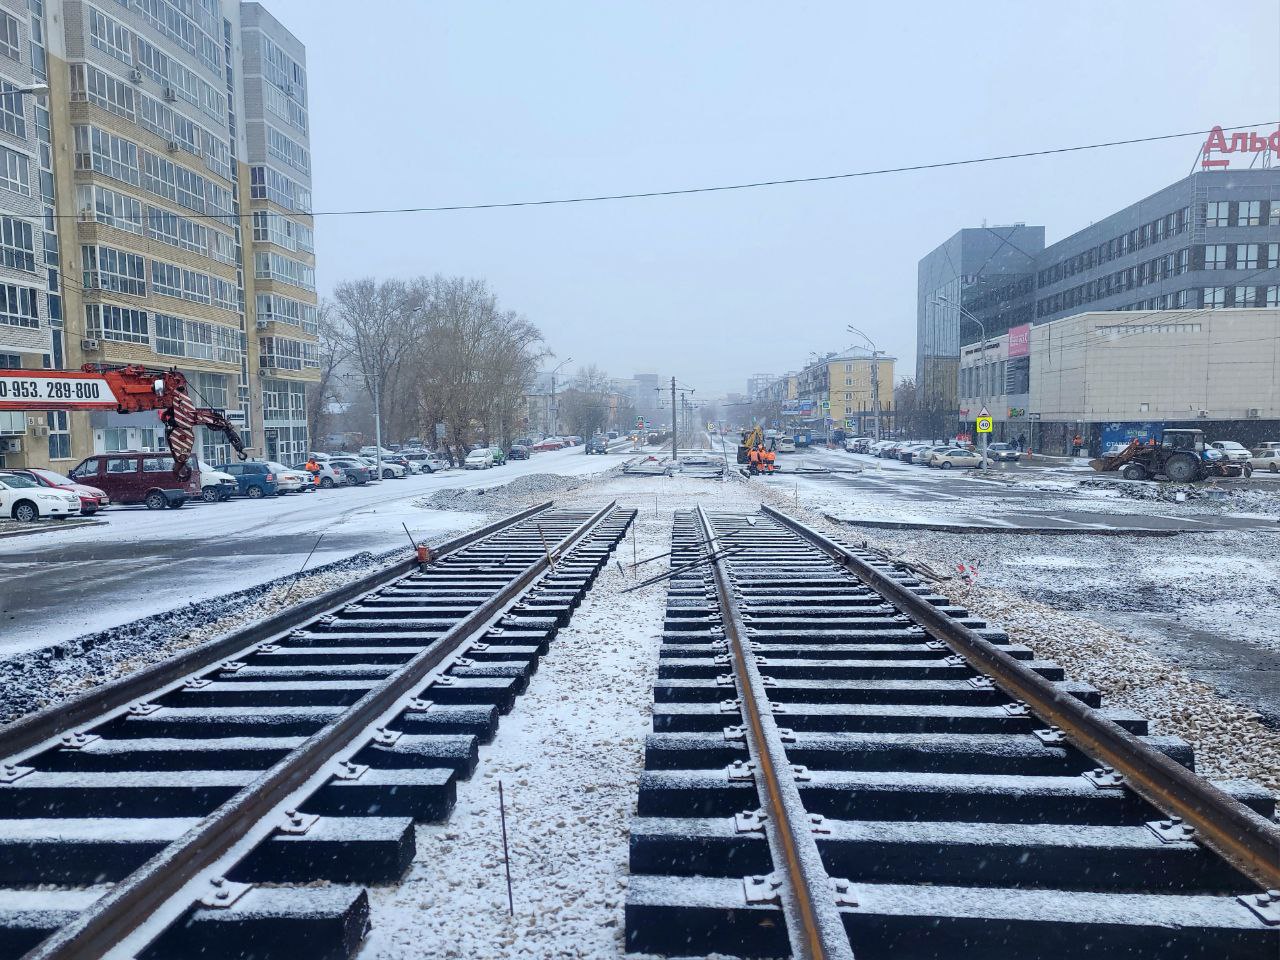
1220,143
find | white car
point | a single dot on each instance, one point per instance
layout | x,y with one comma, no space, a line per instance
956,457
390,470
215,485
371,453
1233,451
289,480
427,462
478,459
786,445
25,500
1267,458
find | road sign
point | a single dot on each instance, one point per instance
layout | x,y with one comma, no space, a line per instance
984,412
1033,416
984,425
826,404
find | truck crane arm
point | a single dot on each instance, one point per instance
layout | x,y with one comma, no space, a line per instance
129,388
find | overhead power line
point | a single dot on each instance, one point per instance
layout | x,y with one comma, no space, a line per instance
754,184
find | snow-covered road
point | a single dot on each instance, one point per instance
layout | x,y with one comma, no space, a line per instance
64,583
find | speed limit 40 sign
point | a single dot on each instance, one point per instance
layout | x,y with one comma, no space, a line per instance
984,424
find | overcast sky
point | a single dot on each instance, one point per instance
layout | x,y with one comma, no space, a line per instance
422,103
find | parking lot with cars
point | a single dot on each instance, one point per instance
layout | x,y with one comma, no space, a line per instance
63,582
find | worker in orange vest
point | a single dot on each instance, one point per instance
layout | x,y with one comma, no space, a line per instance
313,467
769,458
753,460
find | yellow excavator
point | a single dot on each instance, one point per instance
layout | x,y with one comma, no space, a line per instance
752,438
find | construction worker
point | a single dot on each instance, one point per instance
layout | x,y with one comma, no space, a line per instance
753,460
769,457
312,467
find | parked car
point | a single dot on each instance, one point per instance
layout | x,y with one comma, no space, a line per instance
1232,451
1267,459
611,435
548,444
1268,445
785,445
390,469
426,461
930,456
91,498
254,478
1003,452
26,500
327,477
518,451
499,458
957,457
130,477
354,470
907,452
596,444
372,452
289,480
480,458
857,444
216,486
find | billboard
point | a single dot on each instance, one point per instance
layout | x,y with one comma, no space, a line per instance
798,408
1020,341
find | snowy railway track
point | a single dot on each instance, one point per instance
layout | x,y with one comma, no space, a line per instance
844,764
236,806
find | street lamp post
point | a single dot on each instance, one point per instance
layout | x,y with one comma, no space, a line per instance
875,379
982,370
555,408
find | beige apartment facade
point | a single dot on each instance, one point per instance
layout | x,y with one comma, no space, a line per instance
164,117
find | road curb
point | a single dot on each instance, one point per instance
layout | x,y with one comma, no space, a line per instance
28,530
1046,531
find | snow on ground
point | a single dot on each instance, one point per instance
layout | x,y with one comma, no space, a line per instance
569,758
1121,656
61,584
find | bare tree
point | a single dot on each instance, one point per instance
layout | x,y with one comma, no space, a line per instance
584,405
331,351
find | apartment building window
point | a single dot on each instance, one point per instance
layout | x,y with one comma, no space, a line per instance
108,154
88,83
11,119
1246,256
1215,256
1182,261
17,244
273,266
1183,299
10,43
1249,213
290,151
104,321
59,434
283,400
106,268
1271,296
110,37
224,293
19,306
1245,296
280,353
1217,213
15,173
1215,296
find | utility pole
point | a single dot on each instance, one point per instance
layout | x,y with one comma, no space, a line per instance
675,456
377,418
875,392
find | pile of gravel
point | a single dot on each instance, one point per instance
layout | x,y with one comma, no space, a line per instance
1228,498
39,678
503,496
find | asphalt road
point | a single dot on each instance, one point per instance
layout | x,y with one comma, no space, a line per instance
62,583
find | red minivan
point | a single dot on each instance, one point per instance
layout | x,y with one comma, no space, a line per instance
138,477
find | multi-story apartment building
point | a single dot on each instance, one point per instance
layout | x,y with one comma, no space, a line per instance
281,284
171,160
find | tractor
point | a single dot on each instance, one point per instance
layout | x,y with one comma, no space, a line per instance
1180,456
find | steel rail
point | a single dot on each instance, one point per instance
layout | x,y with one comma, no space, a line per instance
808,901
134,899
34,729
1246,840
